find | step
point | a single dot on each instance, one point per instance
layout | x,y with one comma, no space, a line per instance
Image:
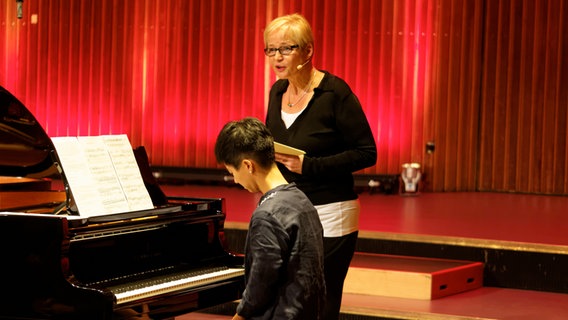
411,277
485,303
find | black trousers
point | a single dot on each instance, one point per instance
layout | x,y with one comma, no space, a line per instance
338,254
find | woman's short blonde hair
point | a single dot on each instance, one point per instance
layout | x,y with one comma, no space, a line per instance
295,27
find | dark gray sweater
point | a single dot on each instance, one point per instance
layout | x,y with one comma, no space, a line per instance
283,258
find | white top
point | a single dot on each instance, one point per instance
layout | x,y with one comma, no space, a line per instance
339,218
289,118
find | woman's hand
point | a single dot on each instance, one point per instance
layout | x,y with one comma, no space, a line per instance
293,163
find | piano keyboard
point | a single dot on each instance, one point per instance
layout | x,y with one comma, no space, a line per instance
160,285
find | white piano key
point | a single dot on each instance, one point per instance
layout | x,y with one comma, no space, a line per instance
124,295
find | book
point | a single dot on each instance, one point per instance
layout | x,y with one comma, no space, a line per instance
102,174
282,148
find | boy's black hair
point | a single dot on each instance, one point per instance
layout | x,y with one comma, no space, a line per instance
248,138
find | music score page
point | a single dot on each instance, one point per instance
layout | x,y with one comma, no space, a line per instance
102,174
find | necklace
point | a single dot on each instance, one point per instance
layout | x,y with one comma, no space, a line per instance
290,104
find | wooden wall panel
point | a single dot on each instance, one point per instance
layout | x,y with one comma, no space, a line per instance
453,87
524,97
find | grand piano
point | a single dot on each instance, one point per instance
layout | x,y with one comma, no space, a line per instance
56,264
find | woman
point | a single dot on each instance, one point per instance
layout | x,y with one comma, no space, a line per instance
317,112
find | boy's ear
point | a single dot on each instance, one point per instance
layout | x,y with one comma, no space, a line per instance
249,165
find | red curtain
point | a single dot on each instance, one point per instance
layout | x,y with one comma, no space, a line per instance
167,73
170,73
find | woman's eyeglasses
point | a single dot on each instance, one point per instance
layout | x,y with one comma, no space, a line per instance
284,50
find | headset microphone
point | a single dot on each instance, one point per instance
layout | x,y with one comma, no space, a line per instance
299,67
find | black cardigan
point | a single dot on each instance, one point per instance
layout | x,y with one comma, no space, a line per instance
334,132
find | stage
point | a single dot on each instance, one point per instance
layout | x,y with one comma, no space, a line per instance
521,239
479,218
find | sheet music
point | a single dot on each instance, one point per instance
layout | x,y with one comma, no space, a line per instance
128,172
78,175
286,149
103,175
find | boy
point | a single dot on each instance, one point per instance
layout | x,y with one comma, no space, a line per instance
284,245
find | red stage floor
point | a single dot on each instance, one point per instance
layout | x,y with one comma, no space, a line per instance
518,218
492,220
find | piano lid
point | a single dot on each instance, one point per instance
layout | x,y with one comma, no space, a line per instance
25,147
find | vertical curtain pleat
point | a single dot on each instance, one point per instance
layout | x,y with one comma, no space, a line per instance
483,80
